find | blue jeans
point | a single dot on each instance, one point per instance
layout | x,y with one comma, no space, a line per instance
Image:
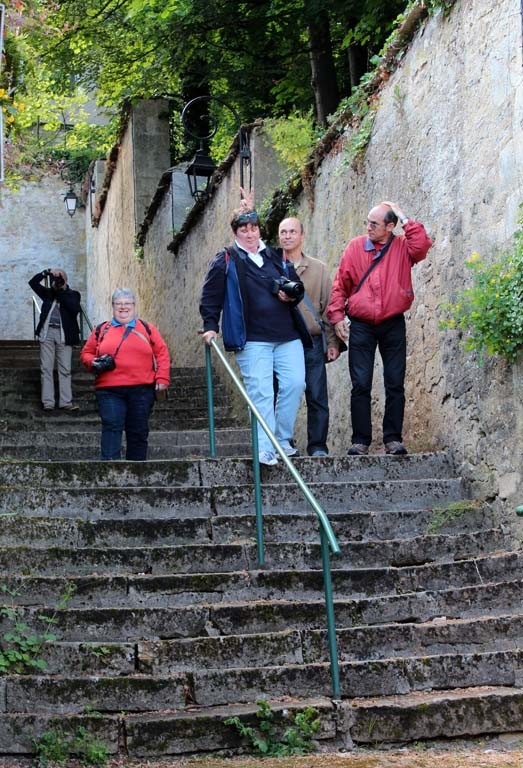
125,408
316,397
390,338
258,361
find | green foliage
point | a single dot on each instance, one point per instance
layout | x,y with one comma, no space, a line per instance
54,748
489,311
296,740
451,513
21,648
293,139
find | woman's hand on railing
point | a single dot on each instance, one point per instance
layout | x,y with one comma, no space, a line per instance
208,336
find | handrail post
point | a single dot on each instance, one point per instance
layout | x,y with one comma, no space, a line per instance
331,623
257,490
210,401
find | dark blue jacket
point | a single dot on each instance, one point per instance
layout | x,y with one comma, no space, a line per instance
224,293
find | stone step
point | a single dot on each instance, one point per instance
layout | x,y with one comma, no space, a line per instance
159,501
289,646
159,438
75,420
357,526
206,472
146,735
178,590
215,557
133,624
137,693
437,714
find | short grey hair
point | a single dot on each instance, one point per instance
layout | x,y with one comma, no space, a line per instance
123,293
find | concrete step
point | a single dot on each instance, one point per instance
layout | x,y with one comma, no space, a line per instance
290,646
137,693
108,590
159,501
436,714
262,616
222,529
215,557
174,733
372,470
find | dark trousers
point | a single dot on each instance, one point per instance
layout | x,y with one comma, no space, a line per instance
125,408
316,397
390,338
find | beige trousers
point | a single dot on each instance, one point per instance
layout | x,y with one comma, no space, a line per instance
52,348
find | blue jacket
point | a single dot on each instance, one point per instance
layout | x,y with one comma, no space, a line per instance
224,293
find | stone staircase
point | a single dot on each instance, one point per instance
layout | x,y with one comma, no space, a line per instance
166,626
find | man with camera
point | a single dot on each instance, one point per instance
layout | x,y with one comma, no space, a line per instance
326,345
373,288
58,331
256,291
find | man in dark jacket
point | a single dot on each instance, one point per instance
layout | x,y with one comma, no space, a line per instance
58,331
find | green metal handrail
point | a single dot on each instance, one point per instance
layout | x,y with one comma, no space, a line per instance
328,539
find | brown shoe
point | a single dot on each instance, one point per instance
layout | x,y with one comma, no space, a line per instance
70,407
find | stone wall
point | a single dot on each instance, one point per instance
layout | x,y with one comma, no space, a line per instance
448,146
36,233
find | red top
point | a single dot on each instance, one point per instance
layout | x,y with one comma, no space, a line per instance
135,361
387,291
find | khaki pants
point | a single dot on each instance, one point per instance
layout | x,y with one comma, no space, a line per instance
51,348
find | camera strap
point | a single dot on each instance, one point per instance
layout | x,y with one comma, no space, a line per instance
127,331
376,260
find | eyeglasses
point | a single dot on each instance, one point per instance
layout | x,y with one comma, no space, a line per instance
123,304
373,224
247,218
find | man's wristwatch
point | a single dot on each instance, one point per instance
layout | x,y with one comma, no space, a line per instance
403,220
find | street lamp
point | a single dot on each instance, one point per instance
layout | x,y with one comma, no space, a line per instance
202,167
71,201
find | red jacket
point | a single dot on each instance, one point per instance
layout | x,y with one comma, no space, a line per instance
135,361
387,291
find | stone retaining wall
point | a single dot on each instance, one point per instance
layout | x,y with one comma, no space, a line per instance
448,146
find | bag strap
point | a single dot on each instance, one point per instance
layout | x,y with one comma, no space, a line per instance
374,263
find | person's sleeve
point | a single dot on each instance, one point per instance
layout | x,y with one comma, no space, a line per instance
418,242
213,294
70,301
163,358
339,293
40,290
88,352
325,292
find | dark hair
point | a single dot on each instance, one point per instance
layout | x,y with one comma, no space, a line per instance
390,216
242,216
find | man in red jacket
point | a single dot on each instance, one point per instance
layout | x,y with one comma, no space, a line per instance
373,288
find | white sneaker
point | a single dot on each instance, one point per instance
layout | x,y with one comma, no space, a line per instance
290,450
268,458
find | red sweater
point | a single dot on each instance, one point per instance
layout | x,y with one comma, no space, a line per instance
135,358
387,291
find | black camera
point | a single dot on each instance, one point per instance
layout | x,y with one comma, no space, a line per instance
102,364
294,289
57,282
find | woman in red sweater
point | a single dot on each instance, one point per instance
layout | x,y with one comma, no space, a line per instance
131,363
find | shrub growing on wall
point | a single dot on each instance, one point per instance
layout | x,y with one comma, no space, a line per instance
490,311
